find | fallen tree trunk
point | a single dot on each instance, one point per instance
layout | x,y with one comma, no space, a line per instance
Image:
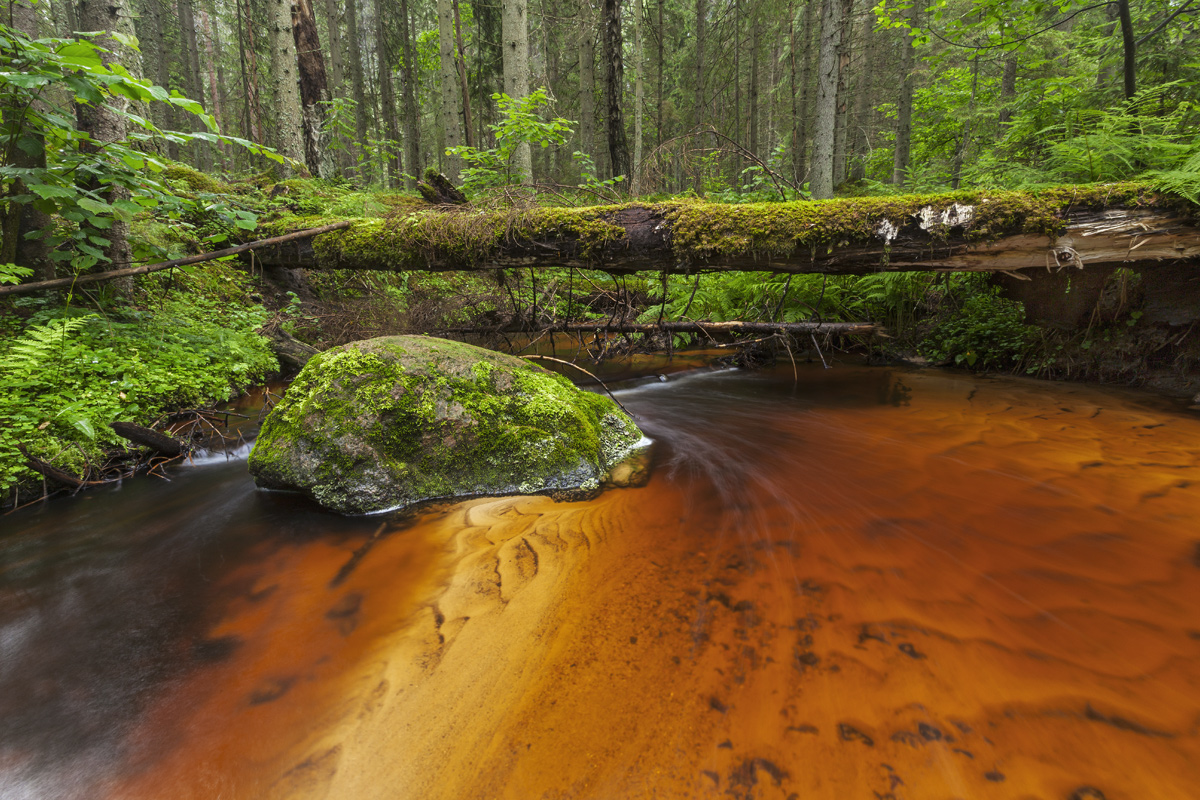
63,283
1066,227
159,442
601,326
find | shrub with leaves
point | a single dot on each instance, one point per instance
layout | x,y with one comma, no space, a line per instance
988,332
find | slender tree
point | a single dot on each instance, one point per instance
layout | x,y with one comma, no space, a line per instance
20,222
587,79
904,105
614,86
314,90
106,122
515,31
450,88
358,91
826,110
387,98
638,94
412,119
288,121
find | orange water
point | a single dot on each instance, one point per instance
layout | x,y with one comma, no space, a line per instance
870,583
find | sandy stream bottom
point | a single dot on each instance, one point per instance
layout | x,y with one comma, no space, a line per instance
966,590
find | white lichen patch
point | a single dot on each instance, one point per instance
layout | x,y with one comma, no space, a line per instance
956,216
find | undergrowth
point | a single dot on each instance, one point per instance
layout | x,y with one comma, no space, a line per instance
65,374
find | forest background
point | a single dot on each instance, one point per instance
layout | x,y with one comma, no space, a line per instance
142,130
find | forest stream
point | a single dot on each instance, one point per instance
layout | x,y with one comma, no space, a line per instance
858,582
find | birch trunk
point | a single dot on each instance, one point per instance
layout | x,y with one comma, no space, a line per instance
314,90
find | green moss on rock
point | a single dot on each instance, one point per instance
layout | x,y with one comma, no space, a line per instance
389,422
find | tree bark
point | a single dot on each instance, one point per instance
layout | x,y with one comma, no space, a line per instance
614,86
288,121
821,185
412,118
449,89
515,33
314,90
461,61
886,236
842,119
638,96
387,98
1129,49
904,106
192,83
336,60
105,122
1008,89
20,219
587,80
358,93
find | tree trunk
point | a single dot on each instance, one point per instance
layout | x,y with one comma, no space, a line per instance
105,122
449,112
842,120
336,62
844,237
515,33
614,85
638,95
859,122
288,120
190,67
17,220
1130,49
810,13
387,99
960,155
658,136
314,90
358,93
587,80
826,110
697,88
412,118
461,59
1105,71
904,105
753,143
1008,89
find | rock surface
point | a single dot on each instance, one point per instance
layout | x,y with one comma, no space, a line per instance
385,423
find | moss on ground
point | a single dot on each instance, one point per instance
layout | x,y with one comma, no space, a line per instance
398,420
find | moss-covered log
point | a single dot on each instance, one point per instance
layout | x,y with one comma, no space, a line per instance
1072,226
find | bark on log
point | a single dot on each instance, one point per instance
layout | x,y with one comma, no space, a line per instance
1057,229
291,352
439,191
158,442
53,473
63,283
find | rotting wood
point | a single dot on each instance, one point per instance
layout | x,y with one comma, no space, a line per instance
159,442
53,473
646,238
63,283
603,326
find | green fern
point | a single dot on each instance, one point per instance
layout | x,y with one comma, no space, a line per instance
41,345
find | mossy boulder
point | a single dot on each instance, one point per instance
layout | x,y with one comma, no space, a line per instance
385,423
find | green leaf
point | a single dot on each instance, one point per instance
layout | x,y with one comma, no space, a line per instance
85,427
24,80
46,191
95,206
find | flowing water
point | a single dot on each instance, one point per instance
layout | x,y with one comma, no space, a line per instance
855,583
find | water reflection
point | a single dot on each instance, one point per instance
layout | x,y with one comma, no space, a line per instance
860,582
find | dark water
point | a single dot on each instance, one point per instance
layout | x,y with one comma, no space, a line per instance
861,582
